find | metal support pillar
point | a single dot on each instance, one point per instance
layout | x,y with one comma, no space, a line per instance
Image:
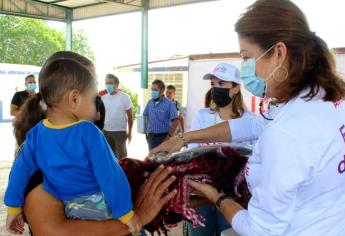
69,19
144,44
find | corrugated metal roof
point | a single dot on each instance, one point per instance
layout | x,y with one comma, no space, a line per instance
104,9
168,3
81,9
32,9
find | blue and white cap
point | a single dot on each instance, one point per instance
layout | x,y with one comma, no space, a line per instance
225,72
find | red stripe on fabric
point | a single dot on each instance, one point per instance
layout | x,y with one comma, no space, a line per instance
253,104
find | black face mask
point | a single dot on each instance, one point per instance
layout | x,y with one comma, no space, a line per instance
220,96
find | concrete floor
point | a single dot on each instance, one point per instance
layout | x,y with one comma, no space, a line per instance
136,149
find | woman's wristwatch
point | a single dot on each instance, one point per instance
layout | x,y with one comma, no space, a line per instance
222,198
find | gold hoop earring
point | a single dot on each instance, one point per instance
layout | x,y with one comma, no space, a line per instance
286,75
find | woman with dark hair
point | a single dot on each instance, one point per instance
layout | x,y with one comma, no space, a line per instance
225,100
226,103
296,172
208,99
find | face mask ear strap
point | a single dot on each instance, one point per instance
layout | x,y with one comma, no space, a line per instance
262,55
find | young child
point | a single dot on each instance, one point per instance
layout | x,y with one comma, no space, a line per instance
77,164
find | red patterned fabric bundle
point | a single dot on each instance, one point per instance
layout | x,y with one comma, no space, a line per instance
221,166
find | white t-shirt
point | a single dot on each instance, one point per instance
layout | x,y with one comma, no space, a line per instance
116,107
206,118
297,173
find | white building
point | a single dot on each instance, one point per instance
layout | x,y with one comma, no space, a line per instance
12,79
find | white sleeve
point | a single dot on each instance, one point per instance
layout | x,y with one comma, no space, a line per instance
283,169
103,98
246,128
197,124
127,102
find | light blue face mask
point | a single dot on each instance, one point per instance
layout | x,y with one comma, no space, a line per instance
254,84
110,88
32,86
154,95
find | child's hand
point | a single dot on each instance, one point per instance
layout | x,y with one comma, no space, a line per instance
134,224
15,224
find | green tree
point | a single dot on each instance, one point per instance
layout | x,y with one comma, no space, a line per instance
80,44
134,98
31,41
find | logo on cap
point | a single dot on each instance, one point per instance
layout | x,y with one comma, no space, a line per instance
220,69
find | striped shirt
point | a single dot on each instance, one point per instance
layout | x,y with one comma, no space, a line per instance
160,115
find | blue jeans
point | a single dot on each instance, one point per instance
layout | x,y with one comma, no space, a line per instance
214,225
154,140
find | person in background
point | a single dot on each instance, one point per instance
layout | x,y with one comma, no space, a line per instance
118,113
100,113
161,115
223,102
170,94
226,103
20,97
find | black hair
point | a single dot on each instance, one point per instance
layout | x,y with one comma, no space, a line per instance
55,79
159,83
171,87
29,76
33,106
101,109
113,77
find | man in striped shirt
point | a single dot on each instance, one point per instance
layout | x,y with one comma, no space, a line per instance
161,116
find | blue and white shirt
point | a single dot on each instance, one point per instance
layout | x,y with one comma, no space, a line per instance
160,115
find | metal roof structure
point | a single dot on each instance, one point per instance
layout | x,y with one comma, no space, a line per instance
72,10
59,10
